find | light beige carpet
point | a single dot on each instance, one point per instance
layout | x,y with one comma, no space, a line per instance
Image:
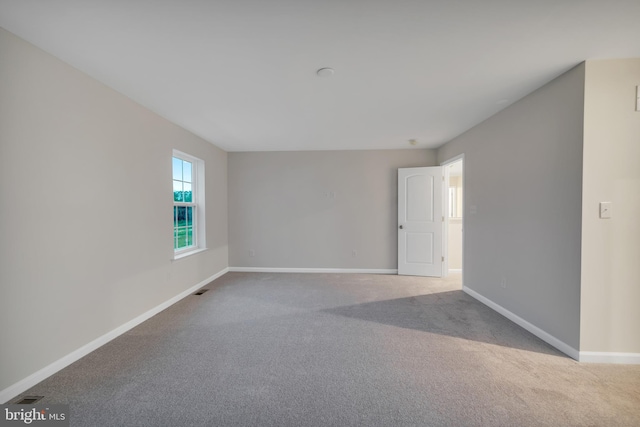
338,350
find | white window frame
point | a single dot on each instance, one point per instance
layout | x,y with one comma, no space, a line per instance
197,202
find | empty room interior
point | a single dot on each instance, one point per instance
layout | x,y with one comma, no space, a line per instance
382,213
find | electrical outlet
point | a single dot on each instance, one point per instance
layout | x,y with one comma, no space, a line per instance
252,252
354,253
503,283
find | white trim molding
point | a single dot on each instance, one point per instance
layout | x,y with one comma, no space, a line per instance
543,335
33,379
313,270
610,358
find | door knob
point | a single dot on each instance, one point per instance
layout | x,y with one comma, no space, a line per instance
401,227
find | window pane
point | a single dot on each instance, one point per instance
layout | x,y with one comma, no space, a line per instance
189,239
175,217
183,237
177,169
181,216
180,238
186,172
177,191
188,194
189,216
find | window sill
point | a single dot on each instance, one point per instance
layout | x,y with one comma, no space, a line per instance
188,253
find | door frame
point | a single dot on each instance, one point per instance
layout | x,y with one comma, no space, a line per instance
445,239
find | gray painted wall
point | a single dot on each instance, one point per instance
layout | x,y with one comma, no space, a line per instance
312,209
523,174
86,233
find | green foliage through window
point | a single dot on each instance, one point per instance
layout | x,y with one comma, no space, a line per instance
183,204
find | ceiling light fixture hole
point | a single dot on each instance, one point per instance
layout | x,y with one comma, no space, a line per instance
325,72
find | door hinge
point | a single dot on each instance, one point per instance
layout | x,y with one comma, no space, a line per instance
442,259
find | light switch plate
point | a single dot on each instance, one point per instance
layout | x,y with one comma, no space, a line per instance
605,210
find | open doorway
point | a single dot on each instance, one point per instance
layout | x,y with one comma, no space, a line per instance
454,221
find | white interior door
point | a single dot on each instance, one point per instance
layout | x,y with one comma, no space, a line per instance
420,221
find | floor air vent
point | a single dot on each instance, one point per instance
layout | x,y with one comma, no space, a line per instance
28,400
201,291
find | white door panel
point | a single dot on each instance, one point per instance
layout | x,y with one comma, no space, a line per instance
419,248
420,205
420,221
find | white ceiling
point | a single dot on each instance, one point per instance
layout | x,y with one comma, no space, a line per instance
241,73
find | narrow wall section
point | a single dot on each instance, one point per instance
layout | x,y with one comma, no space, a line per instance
610,320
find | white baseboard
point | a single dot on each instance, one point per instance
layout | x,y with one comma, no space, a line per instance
544,336
312,270
608,357
33,379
